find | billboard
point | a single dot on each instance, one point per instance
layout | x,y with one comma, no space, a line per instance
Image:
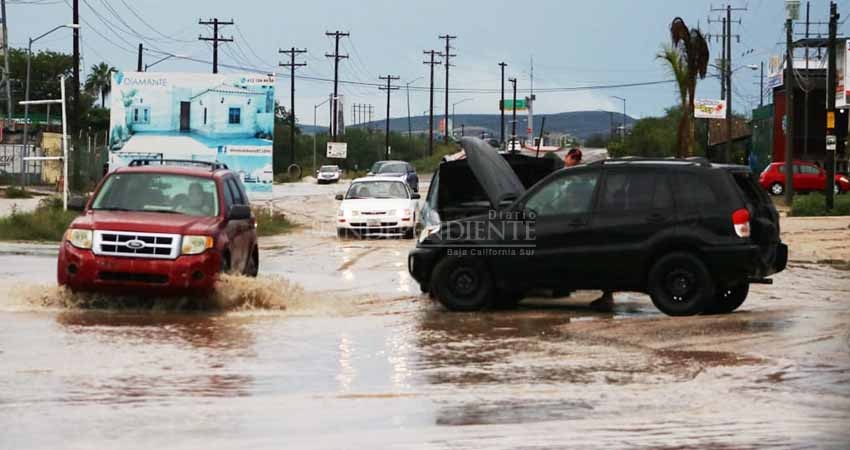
709,109
206,117
337,150
842,59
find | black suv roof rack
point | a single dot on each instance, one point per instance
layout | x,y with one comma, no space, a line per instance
213,165
694,160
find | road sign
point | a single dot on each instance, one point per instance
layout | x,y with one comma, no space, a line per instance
337,150
521,105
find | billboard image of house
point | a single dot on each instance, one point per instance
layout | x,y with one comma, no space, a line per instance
206,117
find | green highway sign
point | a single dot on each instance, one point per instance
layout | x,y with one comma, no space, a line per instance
520,104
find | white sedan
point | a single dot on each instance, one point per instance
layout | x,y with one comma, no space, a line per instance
377,206
328,174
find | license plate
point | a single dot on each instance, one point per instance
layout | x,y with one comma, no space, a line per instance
373,222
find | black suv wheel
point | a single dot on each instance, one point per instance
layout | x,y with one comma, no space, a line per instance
680,285
728,299
462,284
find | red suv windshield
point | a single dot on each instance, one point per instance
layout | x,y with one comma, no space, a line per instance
158,192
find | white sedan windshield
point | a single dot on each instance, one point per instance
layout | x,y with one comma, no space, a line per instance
377,189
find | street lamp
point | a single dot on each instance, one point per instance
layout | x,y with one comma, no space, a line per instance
24,151
453,109
169,56
316,108
622,136
409,125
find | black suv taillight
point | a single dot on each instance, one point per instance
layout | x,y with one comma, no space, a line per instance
741,222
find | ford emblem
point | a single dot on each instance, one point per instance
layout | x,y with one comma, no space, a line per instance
135,244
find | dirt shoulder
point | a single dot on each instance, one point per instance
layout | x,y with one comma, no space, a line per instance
818,240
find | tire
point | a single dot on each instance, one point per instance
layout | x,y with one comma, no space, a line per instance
341,233
252,267
776,189
728,299
462,284
680,285
508,299
424,288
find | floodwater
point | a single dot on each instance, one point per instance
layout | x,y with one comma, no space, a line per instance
334,347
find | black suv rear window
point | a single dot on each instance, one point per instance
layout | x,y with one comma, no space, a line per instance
635,191
695,189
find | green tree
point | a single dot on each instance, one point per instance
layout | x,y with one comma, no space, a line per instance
99,81
46,68
687,59
655,137
596,141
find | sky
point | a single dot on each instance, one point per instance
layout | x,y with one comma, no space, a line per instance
573,44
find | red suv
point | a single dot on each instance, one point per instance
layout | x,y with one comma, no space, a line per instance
161,227
807,177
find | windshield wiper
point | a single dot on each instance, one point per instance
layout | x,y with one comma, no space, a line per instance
112,208
164,211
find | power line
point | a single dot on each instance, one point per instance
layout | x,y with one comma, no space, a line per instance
292,52
431,63
337,35
389,88
447,60
216,38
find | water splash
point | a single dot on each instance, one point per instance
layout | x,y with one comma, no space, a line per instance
233,293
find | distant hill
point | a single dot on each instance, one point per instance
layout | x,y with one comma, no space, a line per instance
581,124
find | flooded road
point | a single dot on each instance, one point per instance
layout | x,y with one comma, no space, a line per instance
334,347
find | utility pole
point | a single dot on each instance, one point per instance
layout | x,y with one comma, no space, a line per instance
761,85
446,59
806,88
723,63
389,79
502,108
75,102
337,35
371,110
139,65
726,74
6,79
216,38
431,63
513,117
831,141
292,52
789,111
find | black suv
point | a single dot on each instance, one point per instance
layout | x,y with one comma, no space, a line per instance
691,234
400,169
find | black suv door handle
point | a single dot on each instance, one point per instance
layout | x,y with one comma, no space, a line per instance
656,218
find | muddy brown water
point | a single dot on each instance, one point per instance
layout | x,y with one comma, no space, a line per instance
334,347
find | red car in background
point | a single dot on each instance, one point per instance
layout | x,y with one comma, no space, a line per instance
161,228
808,177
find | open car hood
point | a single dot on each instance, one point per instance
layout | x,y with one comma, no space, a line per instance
497,178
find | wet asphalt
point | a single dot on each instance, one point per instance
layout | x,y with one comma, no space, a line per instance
334,347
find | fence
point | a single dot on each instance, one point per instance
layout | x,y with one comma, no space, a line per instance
93,155
11,162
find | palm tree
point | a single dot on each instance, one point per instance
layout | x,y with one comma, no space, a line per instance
687,59
99,81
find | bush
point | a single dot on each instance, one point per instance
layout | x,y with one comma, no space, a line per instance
429,164
17,192
270,224
814,204
47,223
